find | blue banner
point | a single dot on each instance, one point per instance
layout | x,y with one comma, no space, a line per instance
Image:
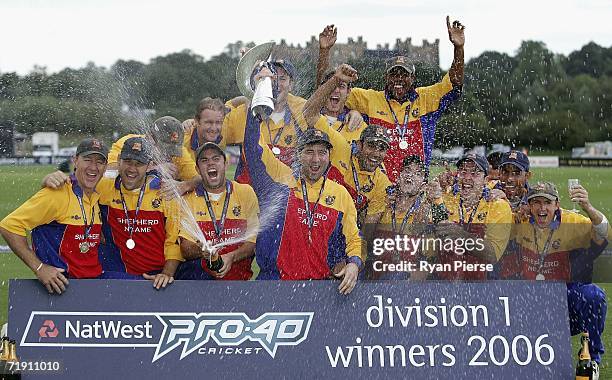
265,329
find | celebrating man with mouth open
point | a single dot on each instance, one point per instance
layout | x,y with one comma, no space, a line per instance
559,245
410,113
311,232
473,215
226,212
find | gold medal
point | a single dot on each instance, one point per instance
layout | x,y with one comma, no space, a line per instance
403,145
84,247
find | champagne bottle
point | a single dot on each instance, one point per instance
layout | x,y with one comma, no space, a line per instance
4,349
12,354
8,359
215,262
585,367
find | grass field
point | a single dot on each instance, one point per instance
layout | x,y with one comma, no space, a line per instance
19,183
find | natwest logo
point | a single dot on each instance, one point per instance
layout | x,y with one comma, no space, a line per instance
48,329
102,329
166,331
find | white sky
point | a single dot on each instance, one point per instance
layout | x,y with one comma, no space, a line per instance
69,33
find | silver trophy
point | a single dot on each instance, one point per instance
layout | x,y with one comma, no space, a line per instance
261,96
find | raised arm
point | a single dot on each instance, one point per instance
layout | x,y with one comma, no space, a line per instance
456,35
312,108
327,39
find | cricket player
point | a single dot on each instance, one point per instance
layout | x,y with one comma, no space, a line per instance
409,113
140,227
280,130
226,213
357,165
312,230
65,224
206,126
560,245
472,215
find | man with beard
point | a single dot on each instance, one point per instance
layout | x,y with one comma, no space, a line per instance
65,224
559,245
206,126
357,165
226,212
280,129
140,227
310,230
472,216
410,113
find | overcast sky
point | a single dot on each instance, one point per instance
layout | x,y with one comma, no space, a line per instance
69,33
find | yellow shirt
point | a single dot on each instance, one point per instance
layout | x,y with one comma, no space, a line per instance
344,130
419,114
235,122
560,251
185,164
495,216
372,184
241,223
58,228
191,142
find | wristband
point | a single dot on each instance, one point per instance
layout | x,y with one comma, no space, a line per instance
355,260
601,230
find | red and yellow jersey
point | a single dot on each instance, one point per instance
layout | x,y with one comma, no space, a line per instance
58,228
565,250
372,184
281,134
284,249
339,125
241,223
405,222
185,163
155,228
421,111
191,141
491,221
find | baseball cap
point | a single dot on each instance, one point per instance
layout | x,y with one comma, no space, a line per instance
136,148
543,189
168,133
375,133
92,146
312,136
287,66
400,61
209,145
479,160
516,158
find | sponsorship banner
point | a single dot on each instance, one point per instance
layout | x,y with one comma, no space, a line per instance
544,161
599,162
202,329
